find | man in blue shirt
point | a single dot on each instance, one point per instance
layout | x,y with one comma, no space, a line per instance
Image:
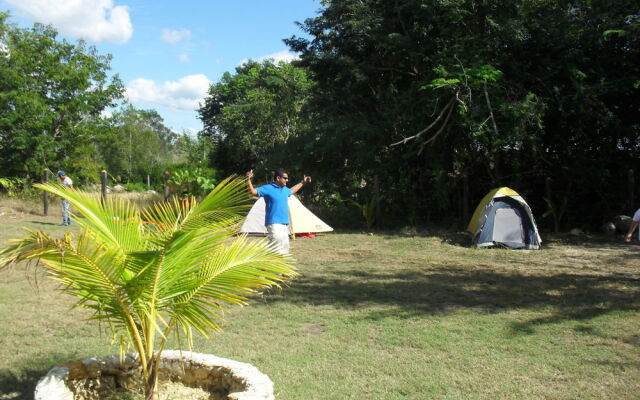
276,196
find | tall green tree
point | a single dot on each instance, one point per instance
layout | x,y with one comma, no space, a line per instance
193,151
251,115
424,95
51,94
135,143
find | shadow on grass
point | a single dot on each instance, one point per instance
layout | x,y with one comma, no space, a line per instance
405,294
43,223
463,239
19,383
19,387
449,236
587,241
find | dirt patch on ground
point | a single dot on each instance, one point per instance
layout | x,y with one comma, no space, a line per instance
11,210
7,213
312,328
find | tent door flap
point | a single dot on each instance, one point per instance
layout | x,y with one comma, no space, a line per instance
507,227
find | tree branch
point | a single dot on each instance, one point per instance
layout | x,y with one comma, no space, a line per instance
444,124
493,120
448,107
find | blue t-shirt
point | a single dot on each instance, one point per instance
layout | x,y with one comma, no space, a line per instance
276,199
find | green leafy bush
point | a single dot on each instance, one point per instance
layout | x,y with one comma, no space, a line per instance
194,182
11,186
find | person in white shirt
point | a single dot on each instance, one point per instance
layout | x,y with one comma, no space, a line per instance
634,224
66,207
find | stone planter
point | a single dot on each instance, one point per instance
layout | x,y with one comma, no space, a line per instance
221,377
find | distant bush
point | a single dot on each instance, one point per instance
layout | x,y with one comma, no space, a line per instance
11,186
136,187
194,182
18,187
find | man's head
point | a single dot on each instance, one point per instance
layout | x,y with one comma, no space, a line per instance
61,174
281,177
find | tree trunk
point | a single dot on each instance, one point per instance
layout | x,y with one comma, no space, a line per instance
151,383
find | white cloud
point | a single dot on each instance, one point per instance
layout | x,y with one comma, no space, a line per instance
283,55
106,113
181,95
184,58
93,20
173,36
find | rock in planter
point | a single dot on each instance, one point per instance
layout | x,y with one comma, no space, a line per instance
221,377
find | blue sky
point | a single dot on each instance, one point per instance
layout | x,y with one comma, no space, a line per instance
168,52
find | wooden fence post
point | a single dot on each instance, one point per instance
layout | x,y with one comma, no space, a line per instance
45,196
103,185
167,176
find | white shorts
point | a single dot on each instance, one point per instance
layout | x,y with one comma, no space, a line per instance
278,235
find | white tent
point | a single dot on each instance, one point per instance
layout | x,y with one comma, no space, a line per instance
301,220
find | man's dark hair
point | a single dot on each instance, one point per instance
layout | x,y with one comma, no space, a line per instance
280,172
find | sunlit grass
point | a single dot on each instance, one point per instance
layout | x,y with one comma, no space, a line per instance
35,206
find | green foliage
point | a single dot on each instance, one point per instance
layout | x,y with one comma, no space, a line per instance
367,210
51,95
504,93
135,143
193,152
195,182
136,187
441,82
472,77
418,93
251,115
20,188
556,210
11,186
146,275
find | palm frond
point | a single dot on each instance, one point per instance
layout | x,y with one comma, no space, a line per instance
30,247
87,270
146,274
229,275
223,207
226,204
115,220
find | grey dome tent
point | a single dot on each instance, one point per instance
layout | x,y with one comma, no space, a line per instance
503,218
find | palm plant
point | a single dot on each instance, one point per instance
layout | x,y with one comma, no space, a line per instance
148,274
368,210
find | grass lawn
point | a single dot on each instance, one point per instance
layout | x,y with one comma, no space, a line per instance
390,316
